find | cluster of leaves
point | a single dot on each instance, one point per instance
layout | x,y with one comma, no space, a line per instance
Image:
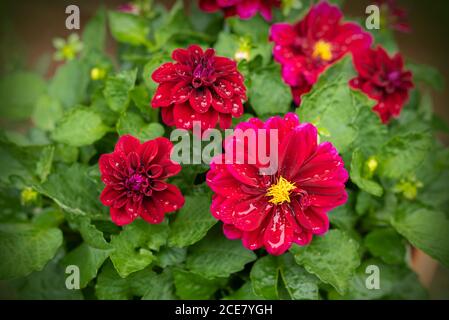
51,217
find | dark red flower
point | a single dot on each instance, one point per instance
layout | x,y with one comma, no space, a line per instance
383,79
245,9
289,206
135,177
396,17
306,48
199,86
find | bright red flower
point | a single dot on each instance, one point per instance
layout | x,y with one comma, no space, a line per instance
135,177
383,79
306,48
245,9
199,86
396,16
289,206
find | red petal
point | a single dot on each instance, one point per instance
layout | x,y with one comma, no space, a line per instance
181,92
200,100
185,116
109,195
282,34
296,147
162,97
316,221
127,144
120,217
231,232
249,214
223,88
167,116
278,235
164,73
148,151
225,121
151,211
171,199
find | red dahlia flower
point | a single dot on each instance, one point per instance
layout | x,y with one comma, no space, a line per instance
306,48
134,175
383,79
291,205
199,86
245,9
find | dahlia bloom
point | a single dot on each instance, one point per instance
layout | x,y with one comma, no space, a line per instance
396,16
199,86
383,79
135,177
245,9
289,206
306,48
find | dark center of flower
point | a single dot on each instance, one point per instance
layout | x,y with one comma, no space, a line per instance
135,182
202,73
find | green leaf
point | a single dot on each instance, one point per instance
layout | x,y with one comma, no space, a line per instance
44,165
18,94
357,175
80,127
94,34
171,256
155,62
110,286
371,132
344,217
299,283
386,244
88,260
333,258
175,23
134,244
18,161
268,95
332,106
191,286
162,287
47,112
117,89
264,277
256,28
395,282
192,222
90,234
26,248
132,123
245,292
128,28
48,284
216,256
403,153
79,195
426,229
427,75
69,84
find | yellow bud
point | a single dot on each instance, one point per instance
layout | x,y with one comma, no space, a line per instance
372,164
97,73
28,196
408,188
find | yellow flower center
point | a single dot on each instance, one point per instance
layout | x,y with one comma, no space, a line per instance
280,192
372,164
68,52
322,50
97,73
